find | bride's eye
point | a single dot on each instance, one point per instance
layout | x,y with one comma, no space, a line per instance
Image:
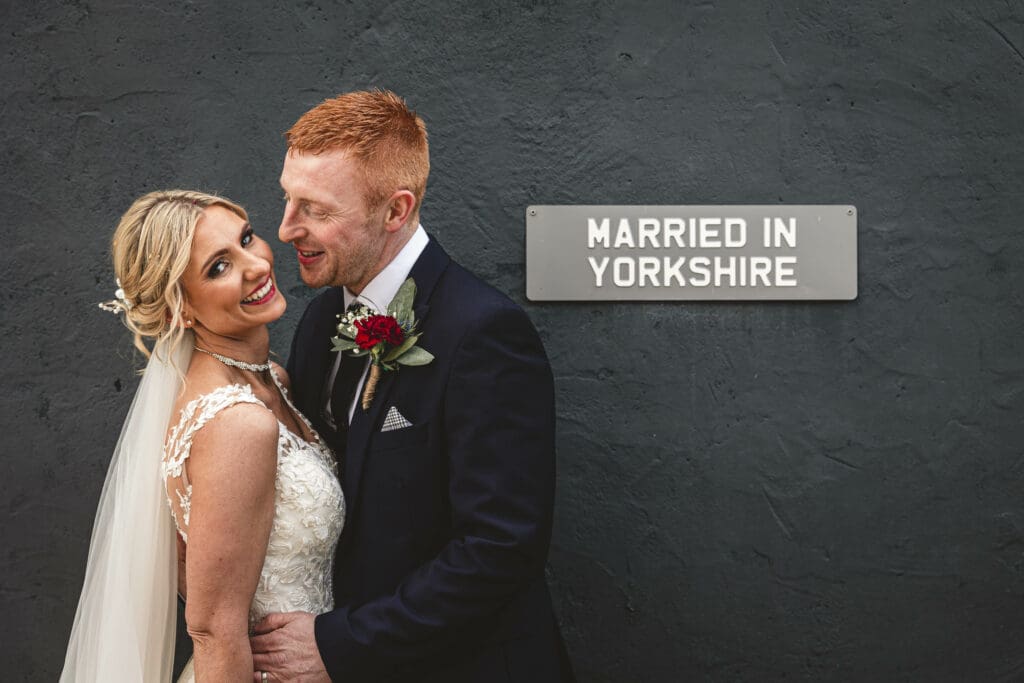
248,236
217,268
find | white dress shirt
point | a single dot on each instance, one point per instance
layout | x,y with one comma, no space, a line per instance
378,295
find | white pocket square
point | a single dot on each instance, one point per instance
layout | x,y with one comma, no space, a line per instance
394,420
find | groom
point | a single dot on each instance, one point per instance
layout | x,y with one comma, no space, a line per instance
449,473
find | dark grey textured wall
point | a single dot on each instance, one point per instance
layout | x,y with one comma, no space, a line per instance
746,492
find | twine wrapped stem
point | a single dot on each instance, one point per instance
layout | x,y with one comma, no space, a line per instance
371,385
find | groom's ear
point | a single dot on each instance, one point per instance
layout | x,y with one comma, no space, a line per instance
399,210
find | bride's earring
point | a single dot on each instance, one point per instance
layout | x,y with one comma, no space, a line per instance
187,322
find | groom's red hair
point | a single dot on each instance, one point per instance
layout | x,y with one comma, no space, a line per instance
378,129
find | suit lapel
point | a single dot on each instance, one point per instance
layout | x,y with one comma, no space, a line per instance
425,273
320,360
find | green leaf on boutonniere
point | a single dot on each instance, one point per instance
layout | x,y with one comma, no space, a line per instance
415,356
401,306
399,350
342,344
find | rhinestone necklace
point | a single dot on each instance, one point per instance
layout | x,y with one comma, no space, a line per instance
254,367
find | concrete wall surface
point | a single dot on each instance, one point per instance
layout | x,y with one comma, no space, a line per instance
816,491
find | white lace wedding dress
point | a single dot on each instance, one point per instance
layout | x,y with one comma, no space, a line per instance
309,509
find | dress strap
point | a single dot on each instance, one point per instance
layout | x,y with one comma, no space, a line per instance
194,416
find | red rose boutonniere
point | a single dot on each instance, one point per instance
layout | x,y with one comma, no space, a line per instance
388,338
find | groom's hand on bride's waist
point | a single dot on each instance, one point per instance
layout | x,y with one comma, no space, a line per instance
284,646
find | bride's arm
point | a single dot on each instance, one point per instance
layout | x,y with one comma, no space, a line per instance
232,469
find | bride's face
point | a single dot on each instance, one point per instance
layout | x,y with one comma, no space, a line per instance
229,282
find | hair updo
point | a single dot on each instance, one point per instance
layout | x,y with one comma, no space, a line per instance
151,247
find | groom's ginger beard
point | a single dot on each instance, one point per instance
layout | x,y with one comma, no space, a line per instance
339,241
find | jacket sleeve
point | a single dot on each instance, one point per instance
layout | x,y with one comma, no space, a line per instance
499,426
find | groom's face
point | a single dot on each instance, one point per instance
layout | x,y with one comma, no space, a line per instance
338,240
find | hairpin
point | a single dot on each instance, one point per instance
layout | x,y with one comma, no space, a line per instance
121,303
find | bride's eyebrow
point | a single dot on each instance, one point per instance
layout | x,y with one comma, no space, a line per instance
246,226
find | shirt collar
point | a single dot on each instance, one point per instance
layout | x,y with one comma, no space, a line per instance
382,289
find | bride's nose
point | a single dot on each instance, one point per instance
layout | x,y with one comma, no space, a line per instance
258,268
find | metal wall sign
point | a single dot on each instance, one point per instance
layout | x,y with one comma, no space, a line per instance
691,253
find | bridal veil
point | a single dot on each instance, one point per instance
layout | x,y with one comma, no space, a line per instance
124,629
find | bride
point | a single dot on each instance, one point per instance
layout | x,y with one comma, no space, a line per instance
218,489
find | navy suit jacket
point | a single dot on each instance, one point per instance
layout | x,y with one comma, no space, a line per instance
439,573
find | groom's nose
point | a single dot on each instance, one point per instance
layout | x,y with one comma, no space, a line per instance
289,229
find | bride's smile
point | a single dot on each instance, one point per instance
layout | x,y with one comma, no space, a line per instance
262,295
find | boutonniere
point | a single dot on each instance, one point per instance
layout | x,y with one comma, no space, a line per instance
388,338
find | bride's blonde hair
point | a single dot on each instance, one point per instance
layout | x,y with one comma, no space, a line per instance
151,247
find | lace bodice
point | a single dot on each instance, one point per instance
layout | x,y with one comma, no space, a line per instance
309,509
